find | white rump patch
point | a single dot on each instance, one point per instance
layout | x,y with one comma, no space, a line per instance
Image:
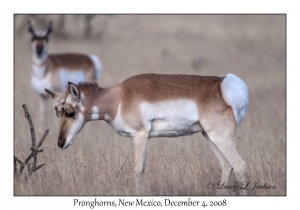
97,64
95,113
75,127
235,93
171,118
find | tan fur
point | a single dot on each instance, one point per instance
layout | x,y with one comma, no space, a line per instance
64,124
204,90
153,87
107,100
70,61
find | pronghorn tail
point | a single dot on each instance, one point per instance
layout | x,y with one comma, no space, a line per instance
235,93
98,65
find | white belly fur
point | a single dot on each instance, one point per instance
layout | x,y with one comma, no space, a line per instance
163,119
171,118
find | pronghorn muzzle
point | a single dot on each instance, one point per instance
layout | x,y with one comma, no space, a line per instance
39,49
61,143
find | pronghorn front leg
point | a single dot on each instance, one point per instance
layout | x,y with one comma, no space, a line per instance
43,107
140,150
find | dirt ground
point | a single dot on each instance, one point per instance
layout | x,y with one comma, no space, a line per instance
100,162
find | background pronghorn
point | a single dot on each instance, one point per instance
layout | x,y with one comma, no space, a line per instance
53,71
151,105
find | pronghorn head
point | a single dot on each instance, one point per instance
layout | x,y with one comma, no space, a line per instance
39,40
71,112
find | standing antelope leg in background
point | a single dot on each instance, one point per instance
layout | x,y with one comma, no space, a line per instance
43,107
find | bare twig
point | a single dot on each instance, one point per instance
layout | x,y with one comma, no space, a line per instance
17,160
34,152
43,138
40,166
29,169
27,115
34,148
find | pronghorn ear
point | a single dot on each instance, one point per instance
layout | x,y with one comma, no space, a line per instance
57,96
74,92
30,28
50,28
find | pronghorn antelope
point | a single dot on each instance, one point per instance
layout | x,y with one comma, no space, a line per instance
153,105
53,71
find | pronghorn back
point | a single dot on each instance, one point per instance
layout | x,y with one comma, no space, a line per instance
72,67
70,61
156,87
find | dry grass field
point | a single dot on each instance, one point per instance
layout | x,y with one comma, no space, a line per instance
100,162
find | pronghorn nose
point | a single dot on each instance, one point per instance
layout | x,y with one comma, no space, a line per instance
60,144
39,49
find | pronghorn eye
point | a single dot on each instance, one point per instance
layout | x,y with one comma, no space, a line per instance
70,115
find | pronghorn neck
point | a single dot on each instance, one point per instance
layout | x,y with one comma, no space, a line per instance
100,104
39,61
39,65
100,108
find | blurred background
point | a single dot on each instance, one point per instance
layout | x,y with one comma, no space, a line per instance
100,162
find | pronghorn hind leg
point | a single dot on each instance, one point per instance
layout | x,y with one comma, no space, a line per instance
140,150
226,145
225,165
